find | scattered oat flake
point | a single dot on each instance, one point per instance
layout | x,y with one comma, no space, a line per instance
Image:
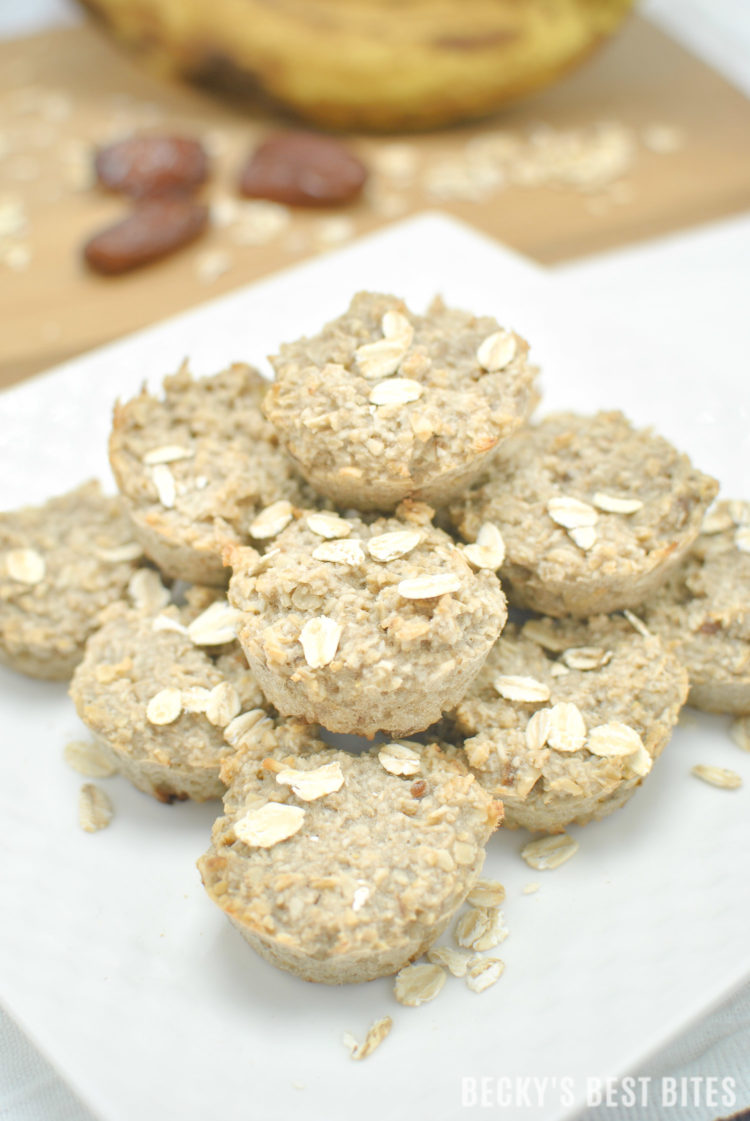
332,231
27,566
375,1036
549,852
212,264
390,546
167,453
237,729
497,351
586,657
537,729
567,728
272,520
471,926
718,776
395,325
455,961
740,732
313,784
147,591
89,759
486,893
330,526
269,825
164,707
224,211
95,809
615,738
637,624
571,513
16,257
12,217
382,358
320,640
165,485
195,698
396,161
214,626
429,587
612,505
530,888
717,521
455,179
495,933
557,669
167,623
584,536
399,759
416,984
258,222
513,687
340,552
349,1041
480,928
663,140
641,762
483,972
223,704
739,511
120,554
395,391
545,635
488,551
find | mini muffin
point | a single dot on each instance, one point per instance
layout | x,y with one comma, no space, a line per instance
339,867
162,692
61,565
594,513
567,718
197,466
385,404
703,612
361,627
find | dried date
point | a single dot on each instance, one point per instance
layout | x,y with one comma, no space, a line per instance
303,169
153,229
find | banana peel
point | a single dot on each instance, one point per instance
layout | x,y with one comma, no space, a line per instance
369,64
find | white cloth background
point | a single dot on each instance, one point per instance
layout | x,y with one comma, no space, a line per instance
717,1046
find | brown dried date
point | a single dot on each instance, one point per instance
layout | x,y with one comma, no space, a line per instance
153,229
144,166
303,169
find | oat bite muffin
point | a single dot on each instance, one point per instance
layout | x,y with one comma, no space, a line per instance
365,626
703,612
384,404
196,467
340,867
61,565
567,717
594,513
168,695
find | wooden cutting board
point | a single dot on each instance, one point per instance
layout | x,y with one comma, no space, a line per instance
63,92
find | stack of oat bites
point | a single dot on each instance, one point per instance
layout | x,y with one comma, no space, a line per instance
370,511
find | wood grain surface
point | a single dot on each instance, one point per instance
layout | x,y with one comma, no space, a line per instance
64,92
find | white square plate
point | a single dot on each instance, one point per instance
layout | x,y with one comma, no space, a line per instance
134,984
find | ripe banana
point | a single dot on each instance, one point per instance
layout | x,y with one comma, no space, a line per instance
375,64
